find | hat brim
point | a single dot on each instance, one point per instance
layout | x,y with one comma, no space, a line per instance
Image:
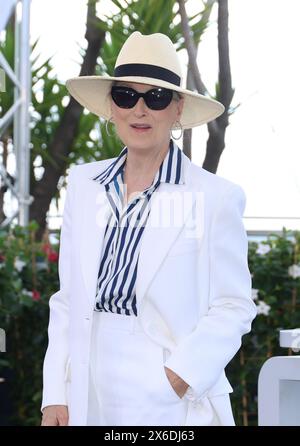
92,92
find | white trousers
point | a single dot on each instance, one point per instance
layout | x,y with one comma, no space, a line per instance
128,384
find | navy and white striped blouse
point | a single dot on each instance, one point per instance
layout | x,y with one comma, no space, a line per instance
124,230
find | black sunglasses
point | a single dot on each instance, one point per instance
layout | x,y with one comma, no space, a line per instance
155,99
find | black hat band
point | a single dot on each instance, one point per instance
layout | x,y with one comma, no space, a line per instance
147,70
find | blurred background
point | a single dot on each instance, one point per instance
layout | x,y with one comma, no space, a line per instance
242,53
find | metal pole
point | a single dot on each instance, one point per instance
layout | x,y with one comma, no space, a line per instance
20,75
21,122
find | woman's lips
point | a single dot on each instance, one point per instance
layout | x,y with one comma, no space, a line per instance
140,129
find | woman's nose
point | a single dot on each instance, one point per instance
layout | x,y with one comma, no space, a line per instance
140,107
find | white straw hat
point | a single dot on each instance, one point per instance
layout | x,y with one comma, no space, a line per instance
147,59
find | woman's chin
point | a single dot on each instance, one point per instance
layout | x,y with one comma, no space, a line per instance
139,142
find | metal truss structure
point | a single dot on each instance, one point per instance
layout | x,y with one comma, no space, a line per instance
20,75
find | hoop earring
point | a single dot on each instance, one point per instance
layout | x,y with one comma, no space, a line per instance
106,127
179,126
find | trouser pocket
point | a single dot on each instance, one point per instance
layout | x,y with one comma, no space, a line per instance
166,383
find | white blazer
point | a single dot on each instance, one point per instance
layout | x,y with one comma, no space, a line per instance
193,287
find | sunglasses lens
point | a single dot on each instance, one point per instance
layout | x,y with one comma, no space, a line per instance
124,97
158,98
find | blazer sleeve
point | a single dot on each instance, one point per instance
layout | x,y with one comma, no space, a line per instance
54,389
202,356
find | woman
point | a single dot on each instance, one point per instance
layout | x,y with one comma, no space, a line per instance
155,291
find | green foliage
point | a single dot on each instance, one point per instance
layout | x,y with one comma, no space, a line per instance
147,17
277,295
27,266
28,277
7,49
49,100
